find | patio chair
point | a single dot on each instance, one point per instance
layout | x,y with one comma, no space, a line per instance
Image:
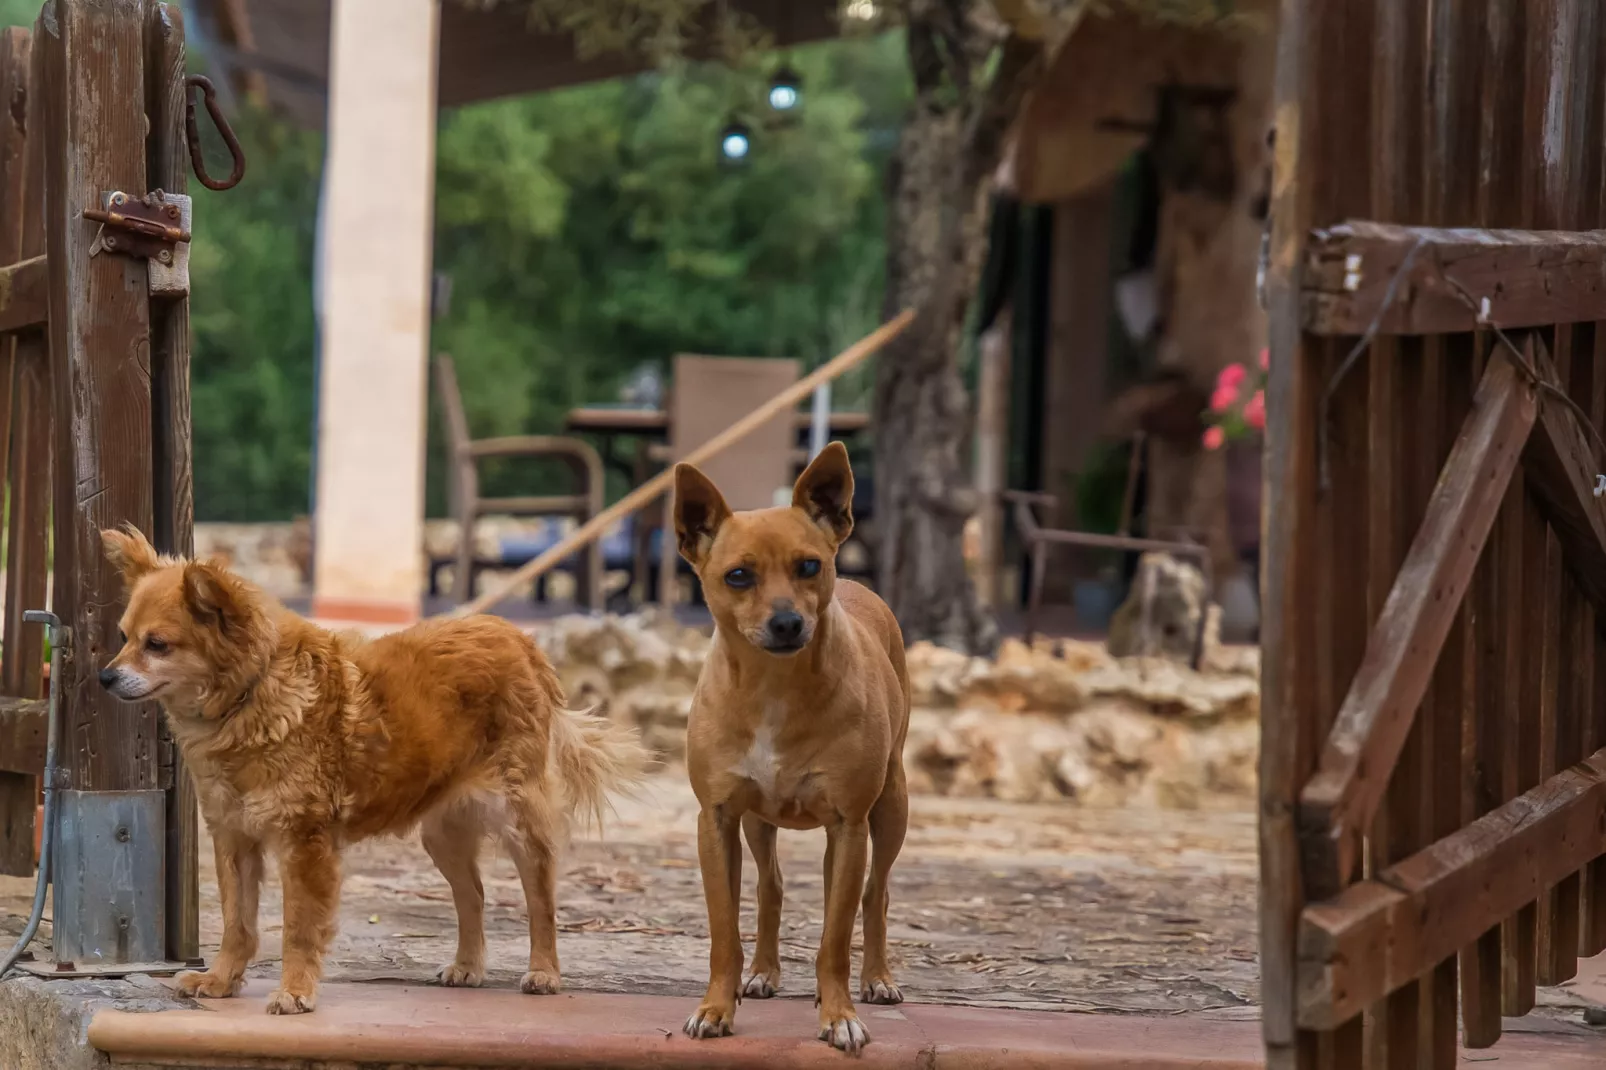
467,506
707,395
1038,539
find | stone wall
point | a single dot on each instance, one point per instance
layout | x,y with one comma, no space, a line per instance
1062,721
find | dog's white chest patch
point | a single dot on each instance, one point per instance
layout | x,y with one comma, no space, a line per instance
762,762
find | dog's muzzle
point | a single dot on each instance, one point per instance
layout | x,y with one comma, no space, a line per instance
125,685
785,633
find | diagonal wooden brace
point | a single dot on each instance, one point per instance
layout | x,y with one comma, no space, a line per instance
1340,800
1561,465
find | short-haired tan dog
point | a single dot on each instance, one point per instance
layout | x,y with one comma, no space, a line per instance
798,722
302,740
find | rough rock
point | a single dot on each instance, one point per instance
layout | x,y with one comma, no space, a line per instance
1057,721
1160,617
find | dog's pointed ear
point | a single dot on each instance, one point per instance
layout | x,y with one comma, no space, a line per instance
131,552
699,511
825,492
212,594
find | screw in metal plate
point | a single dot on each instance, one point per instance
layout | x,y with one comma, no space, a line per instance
109,242
122,833
165,256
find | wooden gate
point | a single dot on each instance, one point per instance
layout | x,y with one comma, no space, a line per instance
94,397
1433,777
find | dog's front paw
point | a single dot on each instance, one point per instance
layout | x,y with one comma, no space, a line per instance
539,983
461,975
844,1031
879,990
711,1021
284,1001
208,985
762,984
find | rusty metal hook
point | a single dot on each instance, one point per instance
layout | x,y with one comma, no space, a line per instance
193,133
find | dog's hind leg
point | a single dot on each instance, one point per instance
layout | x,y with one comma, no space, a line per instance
889,820
764,978
452,836
534,838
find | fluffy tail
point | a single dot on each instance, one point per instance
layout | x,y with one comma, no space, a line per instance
592,756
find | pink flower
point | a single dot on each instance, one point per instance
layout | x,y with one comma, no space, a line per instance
1265,360
1231,377
1214,438
1225,396
1255,411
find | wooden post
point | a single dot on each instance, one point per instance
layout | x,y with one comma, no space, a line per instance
100,342
25,429
173,520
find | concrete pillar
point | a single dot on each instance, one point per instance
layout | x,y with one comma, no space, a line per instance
375,301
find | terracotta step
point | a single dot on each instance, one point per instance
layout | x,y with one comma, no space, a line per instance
423,1026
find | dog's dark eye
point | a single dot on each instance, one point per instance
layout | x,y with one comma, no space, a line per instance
739,578
155,645
122,637
808,568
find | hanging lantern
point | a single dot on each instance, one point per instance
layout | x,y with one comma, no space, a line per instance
735,142
786,89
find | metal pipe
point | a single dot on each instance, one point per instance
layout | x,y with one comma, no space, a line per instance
60,639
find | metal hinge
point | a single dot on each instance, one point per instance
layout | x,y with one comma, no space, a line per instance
155,227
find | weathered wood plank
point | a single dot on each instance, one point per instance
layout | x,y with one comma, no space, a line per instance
1530,278
1502,156
1592,922
1548,81
1315,42
24,295
1380,934
1403,484
1454,80
173,519
22,739
95,96
1340,800
25,446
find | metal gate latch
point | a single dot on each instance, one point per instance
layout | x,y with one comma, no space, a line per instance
155,227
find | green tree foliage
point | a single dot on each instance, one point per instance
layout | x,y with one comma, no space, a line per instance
586,232
591,230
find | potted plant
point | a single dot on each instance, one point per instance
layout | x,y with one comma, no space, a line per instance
1238,406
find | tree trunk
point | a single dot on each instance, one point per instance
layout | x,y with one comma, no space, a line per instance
936,242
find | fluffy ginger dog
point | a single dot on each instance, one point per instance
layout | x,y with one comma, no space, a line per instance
302,740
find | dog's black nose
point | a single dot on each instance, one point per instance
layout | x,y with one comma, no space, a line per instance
108,677
786,627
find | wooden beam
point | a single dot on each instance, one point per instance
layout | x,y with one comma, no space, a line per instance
1530,278
1381,934
173,504
24,295
22,735
94,128
1338,803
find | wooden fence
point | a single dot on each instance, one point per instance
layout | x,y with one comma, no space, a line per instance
94,400
1433,776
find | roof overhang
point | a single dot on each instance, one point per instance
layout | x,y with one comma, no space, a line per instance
279,49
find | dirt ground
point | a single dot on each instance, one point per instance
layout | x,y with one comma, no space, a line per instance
1045,907
1048,907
